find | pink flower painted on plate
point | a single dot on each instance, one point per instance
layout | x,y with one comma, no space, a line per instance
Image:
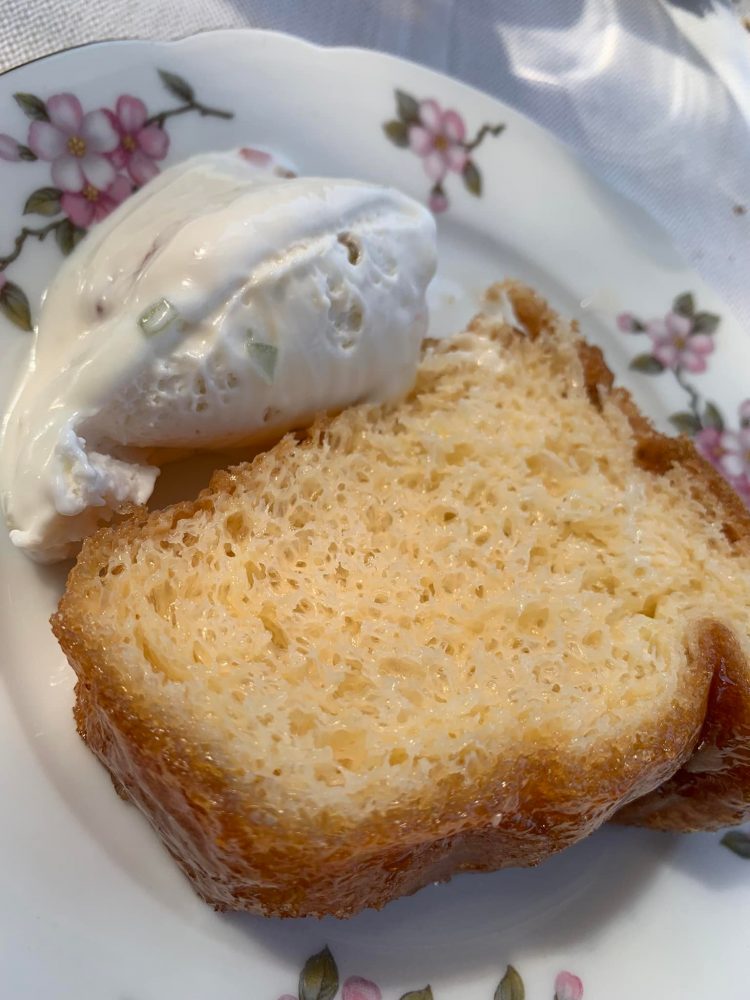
258,157
675,346
729,451
681,343
9,148
438,201
97,159
265,161
710,443
438,138
140,144
735,460
356,988
92,204
742,486
75,144
568,987
628,323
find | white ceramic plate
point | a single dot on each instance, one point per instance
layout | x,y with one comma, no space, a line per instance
90,904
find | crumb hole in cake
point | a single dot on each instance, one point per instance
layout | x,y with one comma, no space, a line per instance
650,606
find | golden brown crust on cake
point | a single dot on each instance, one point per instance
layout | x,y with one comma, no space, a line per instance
233,864
529,806
713,790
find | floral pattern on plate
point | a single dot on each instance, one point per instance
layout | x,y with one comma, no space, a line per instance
738,842
682,341
438,136
96,158
319,980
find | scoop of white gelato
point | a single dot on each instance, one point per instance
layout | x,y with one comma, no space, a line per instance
217,306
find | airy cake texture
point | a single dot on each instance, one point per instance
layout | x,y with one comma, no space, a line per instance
455,633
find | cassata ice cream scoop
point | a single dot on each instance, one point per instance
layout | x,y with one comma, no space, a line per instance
217,305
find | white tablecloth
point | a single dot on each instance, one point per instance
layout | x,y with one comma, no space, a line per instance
654,94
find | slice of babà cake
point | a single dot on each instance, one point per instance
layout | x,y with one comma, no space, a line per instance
455,633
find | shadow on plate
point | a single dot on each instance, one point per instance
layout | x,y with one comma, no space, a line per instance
705,860
476,924
184,479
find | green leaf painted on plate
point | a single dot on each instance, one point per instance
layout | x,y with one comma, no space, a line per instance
647,364
712,417
706,322
423,994
319,980
43,201
408,108
397,132
684,305
177,86
511,986
472,178
33,107
15,306
25,153
68,236
738,842
685,423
